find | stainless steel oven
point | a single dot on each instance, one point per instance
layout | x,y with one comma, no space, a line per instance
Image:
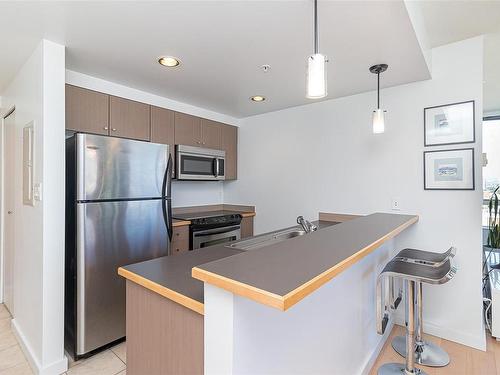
211,228
215,236
196,163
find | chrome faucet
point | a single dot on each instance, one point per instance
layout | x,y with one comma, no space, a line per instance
306,225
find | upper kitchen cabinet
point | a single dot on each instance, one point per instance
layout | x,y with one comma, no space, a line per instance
87,111
229,143
162,127
210,134
194,131
187,130
129,119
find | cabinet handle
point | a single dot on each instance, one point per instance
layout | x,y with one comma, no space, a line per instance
113,129
105,128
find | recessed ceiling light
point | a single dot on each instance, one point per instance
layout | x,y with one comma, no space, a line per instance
169,61
257,98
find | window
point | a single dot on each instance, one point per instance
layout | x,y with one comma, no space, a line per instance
491,157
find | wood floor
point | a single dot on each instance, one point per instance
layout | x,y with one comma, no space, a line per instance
464,360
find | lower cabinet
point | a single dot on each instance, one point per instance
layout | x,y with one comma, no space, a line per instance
247,227
163,337
180,240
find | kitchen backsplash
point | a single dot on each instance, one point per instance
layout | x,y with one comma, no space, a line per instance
195,193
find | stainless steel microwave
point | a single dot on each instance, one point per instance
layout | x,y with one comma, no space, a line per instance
196,163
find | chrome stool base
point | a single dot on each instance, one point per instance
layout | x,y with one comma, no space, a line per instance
398,369
431,355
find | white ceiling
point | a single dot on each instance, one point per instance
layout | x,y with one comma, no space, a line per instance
450,21
221,44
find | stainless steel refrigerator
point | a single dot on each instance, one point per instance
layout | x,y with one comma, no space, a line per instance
118,212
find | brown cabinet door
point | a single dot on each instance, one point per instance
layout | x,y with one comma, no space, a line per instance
229,143
162,127
210,134
129,119
86,110
247,227
180,240
187,129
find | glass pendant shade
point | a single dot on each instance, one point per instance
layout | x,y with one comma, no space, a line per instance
378,121
316,76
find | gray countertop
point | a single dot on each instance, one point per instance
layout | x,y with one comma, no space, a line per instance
171,275
282,274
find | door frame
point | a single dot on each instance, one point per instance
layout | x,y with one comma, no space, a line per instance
2,198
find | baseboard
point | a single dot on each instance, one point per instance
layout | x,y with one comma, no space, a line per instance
373,357
55,368
460,337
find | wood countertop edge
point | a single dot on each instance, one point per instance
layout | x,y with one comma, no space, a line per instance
299,293
180,223
283,303
181,299
247,214
239,288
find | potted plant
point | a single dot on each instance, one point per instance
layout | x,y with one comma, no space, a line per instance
493,242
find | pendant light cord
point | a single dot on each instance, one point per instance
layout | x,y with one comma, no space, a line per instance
378,90
316,44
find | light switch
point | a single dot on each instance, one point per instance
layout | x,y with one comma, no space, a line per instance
395,204
37,191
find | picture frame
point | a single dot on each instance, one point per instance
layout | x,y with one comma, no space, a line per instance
449,169
450,124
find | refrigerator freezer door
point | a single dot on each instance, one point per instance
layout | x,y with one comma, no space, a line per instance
110,235
115,168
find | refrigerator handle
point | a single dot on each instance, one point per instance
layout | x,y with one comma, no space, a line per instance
166,202
166,205
167,179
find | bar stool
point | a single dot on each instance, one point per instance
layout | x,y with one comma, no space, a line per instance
426,353
411,273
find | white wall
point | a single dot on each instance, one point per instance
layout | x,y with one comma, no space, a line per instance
2,112
37,92
184,193
323,157
197,193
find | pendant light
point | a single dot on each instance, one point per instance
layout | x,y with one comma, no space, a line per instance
316,66
378,121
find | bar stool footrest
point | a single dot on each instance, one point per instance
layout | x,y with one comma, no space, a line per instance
431,355
397,369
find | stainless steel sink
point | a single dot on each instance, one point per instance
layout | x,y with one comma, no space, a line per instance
294,233
268,239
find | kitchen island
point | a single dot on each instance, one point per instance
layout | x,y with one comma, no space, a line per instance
228,318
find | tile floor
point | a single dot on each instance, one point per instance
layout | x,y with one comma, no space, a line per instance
13,362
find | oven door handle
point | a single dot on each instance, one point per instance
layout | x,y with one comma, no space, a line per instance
210,233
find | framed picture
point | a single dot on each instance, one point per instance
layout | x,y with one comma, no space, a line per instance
449,169
449,124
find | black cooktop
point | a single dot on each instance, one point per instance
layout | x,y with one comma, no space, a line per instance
202,215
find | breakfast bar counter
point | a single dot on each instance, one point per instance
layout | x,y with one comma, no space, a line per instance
282,274
234,308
